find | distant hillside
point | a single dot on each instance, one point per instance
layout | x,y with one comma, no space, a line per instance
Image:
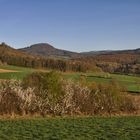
6,50
124,61
95,53
46,50
110,52
11,56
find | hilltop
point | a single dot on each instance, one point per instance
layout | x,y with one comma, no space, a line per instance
16,57
47,50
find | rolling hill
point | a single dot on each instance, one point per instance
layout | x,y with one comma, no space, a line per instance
110,52
7,51
13,56
47,50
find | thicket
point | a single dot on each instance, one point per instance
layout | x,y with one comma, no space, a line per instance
50,94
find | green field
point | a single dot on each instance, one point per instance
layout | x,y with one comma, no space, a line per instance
131,83
97,128
22,72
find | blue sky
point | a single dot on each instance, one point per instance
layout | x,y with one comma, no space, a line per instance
76,25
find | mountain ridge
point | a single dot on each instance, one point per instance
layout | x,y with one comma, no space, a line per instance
47,50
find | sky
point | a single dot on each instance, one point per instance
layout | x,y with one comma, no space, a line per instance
76,25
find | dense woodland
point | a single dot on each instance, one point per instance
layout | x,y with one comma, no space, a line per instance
125,63
128,63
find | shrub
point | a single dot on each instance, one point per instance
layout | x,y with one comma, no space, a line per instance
108,98
15,100
48,89
10,103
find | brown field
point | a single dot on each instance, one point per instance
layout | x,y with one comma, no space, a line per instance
5,71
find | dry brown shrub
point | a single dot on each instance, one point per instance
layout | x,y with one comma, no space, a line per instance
63,97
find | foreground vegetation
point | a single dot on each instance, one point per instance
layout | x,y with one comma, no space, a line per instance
115,128
49,93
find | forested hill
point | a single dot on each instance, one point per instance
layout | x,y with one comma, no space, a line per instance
7,51
110,52
126,62
47,50
11,56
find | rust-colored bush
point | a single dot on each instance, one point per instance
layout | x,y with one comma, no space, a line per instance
10,103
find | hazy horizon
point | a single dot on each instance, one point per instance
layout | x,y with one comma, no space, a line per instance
75,25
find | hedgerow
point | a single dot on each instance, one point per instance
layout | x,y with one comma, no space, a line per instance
50,94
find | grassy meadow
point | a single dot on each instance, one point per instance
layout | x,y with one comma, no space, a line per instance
91,128
20,73
131,83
